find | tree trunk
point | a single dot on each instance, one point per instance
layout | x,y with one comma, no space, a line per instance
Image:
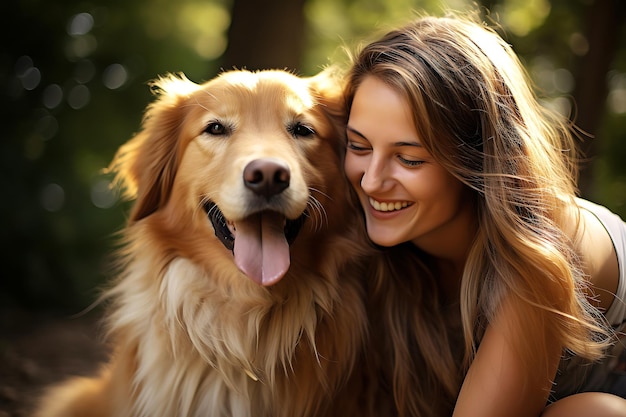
266,35
605,21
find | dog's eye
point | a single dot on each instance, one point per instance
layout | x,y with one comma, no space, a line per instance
301,130
215,129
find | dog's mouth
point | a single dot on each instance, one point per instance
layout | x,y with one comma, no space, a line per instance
260,242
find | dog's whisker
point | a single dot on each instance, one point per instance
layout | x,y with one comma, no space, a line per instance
313,215
316,207
324,214
313,189
323,217
203,202
215,212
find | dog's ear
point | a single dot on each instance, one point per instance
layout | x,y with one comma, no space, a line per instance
327,86
145,166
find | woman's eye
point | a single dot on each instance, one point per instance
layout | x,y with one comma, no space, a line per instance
301,130
215,129
355,146
410,162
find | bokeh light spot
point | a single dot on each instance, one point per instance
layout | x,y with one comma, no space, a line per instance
80,24
52,197
563,80
23,64
47,126
578,44
114,76
31,78
208,40
78,97
561,105
52,96
616,99
101,195
523,16
81,47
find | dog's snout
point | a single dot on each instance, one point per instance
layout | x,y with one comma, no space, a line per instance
267,177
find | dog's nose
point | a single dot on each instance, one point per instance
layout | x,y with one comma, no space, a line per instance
266,177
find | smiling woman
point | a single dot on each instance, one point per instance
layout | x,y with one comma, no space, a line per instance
467,184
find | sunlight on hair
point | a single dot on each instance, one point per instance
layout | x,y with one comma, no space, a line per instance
175,84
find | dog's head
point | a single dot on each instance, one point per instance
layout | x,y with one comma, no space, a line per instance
257,154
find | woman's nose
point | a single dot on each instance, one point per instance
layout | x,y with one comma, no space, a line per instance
374,178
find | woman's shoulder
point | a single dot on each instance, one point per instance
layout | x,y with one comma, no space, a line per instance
606,216
601,243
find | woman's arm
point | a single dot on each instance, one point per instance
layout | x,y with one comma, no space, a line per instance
499,384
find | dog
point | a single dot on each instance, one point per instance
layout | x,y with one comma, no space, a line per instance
240,290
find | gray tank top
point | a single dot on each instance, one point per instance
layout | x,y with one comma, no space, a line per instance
576,375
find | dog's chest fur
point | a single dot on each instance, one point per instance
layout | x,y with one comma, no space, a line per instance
209,349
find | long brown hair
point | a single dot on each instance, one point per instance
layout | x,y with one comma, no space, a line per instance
476,113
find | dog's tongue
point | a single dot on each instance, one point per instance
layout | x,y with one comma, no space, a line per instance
261,250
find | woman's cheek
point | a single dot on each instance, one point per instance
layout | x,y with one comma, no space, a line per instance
352,169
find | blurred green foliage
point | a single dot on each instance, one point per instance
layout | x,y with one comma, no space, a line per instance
73,78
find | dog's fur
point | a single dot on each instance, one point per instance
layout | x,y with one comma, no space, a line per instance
192,334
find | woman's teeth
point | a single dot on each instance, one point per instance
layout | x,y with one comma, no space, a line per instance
388,206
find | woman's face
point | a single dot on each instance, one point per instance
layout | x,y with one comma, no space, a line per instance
405,193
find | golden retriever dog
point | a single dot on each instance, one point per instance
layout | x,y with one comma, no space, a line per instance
241,283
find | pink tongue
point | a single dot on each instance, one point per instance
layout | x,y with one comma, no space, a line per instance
261,250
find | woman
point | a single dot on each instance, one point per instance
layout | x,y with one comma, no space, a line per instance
505,280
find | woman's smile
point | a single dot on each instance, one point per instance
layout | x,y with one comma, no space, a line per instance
388,206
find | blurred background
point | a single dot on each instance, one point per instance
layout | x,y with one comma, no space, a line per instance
74,82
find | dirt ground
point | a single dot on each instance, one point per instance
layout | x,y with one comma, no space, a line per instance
39,349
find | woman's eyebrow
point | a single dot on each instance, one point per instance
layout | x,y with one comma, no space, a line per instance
395,144
356,132
400,144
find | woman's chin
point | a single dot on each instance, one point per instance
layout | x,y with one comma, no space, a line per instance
381,238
